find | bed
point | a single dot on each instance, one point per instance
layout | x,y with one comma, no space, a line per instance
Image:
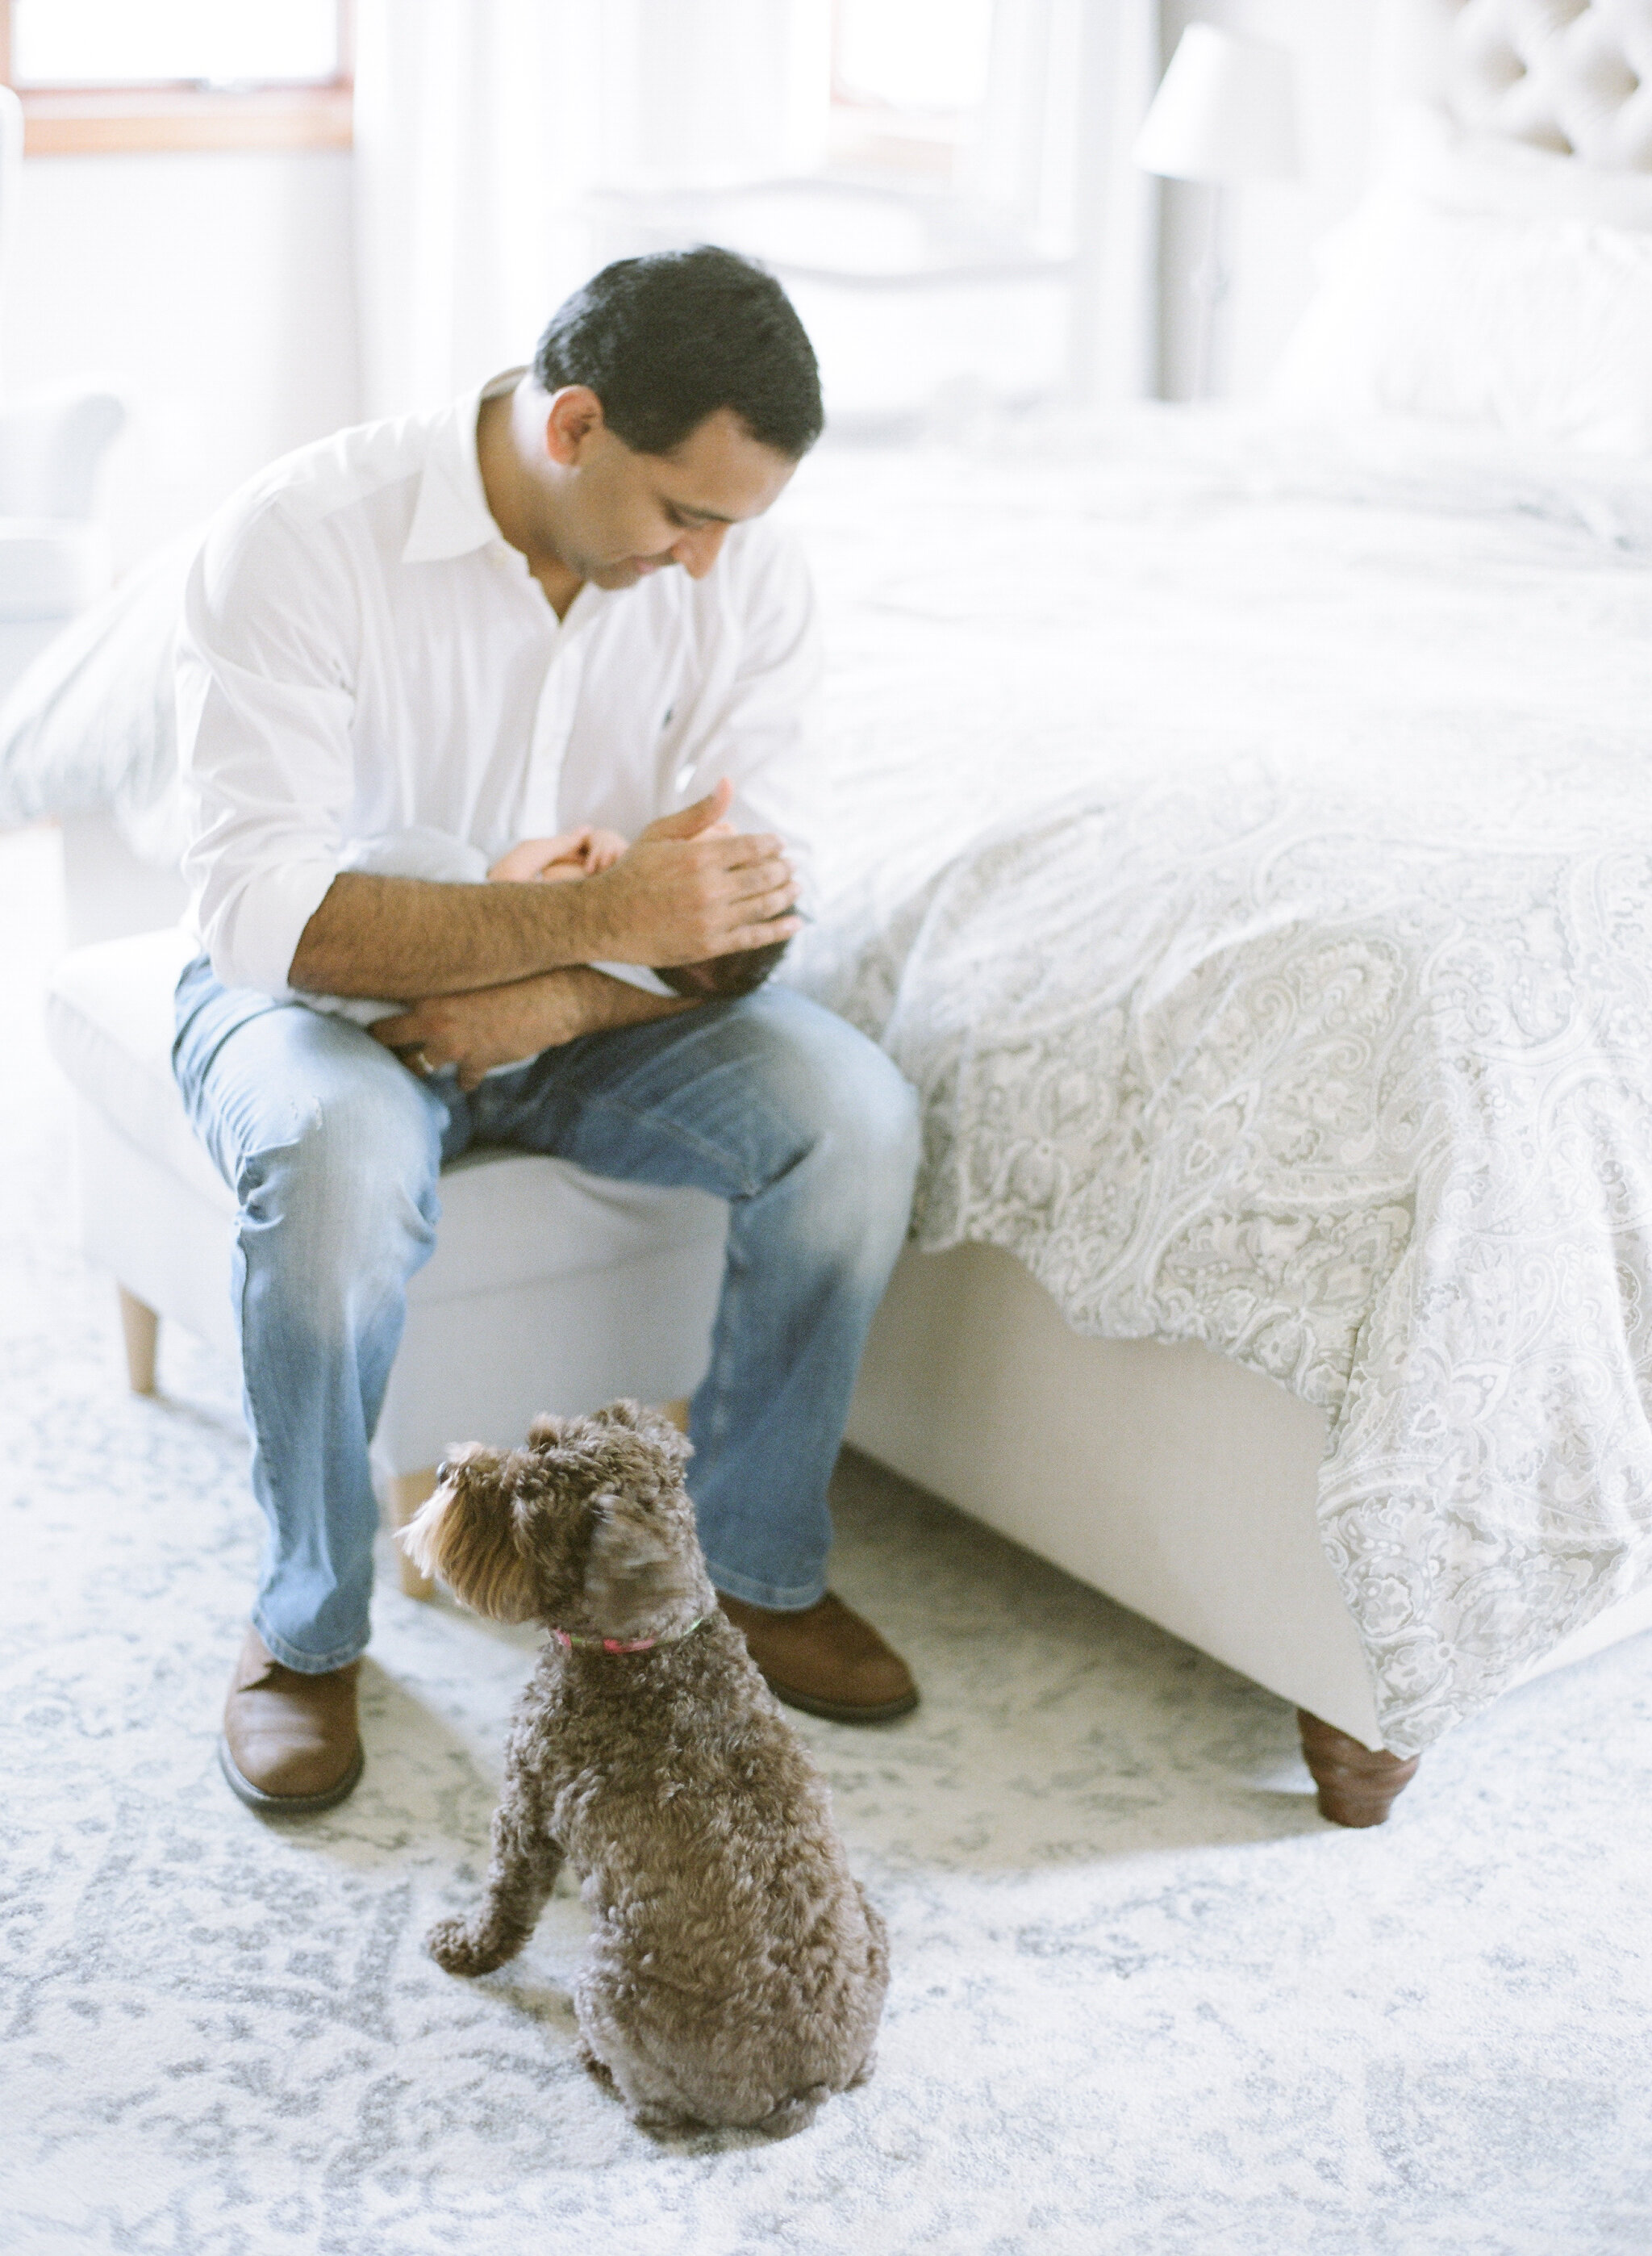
1293,1008
1245,844
1245,848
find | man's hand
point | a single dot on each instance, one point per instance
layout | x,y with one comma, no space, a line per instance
495,1025
688,890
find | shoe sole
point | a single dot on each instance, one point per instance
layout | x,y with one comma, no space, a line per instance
841,1711
288,1805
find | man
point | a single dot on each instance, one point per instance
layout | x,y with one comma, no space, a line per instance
552,604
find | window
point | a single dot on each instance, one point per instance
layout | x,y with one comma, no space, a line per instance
907,84
102,74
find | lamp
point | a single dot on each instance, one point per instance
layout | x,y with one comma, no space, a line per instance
1225,112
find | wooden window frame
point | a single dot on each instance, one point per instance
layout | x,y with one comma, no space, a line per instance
102,120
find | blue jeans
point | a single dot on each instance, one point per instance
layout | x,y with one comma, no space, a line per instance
334,1150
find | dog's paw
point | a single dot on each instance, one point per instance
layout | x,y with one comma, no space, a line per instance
598,2070
660,2116
454,1948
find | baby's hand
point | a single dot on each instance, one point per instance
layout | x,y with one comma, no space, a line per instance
571,854
603,849
536,857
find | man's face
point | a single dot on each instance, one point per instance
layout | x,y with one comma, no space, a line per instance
625,514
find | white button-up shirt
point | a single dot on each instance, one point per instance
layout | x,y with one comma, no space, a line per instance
362,652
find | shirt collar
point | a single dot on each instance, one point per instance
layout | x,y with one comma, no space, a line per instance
452,516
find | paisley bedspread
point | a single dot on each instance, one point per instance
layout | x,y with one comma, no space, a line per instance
1245,846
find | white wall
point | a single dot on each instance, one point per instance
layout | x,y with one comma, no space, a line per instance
1275,226
214,289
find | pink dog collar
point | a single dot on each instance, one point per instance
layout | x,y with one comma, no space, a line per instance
568,1639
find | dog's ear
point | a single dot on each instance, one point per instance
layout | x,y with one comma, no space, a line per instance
635,1418
466,1535
637,1569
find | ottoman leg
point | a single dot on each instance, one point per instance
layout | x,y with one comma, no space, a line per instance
405,1492
140,1327
1358,1785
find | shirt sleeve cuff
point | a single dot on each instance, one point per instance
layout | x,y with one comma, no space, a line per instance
253,939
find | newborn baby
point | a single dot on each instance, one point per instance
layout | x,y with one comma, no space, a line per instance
418,852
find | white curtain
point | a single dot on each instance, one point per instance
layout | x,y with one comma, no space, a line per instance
476,130
1114,335
485,129
1069,83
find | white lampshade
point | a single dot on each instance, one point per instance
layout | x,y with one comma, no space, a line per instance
1225,111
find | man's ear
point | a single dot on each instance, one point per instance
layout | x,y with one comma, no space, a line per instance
636,1569
571,416
466,1536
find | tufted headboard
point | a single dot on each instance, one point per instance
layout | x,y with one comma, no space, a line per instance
1571,76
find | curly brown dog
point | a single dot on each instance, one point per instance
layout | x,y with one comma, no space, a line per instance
736,1972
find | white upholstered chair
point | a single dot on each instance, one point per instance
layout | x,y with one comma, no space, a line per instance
550,1288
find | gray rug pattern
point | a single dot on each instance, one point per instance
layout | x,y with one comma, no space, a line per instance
1144,2000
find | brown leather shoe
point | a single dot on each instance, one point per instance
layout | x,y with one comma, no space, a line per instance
290,1744
825,1660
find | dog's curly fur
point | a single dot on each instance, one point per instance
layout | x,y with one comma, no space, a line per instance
736,1972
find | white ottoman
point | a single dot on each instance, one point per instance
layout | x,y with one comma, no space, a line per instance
550,1288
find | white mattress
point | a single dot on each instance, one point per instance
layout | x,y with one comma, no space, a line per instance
1245,847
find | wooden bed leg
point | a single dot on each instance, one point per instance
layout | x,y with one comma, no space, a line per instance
405,1492
140,1327
1356,1786
677,1412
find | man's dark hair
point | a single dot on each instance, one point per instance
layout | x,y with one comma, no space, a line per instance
667,339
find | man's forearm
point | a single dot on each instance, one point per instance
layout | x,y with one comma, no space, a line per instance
494,1025
587,1002
674,895
529,1015
410,936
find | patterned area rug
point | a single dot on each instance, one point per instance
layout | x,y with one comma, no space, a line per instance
1144,2000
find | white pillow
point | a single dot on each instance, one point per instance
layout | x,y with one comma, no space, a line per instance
1487,283
93,722
1457,171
